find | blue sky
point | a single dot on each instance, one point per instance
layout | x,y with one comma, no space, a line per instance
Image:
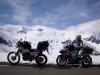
53,13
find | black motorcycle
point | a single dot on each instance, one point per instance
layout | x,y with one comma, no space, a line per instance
28,54
68,56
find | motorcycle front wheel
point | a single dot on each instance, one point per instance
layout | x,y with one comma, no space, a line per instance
13,58
61,60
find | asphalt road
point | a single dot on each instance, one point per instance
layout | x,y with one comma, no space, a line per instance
47,70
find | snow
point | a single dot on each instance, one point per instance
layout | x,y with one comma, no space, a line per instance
96,59
37,33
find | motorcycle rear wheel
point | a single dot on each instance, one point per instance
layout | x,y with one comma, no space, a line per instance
86,61
41,59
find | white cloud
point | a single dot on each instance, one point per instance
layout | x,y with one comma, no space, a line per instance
63,12
22,10
83,14
86,29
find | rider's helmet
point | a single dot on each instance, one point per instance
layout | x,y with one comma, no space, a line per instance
78,37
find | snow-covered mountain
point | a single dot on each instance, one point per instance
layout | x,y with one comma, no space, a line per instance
93,39
10,34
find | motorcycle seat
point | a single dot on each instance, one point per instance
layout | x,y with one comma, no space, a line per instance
62,51
33,50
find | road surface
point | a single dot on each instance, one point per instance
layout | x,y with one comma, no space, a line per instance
6,69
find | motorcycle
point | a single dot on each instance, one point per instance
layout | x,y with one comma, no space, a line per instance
28,54
68,56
